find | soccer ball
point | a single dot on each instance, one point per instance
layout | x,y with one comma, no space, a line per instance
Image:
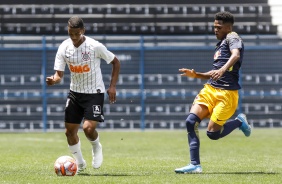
65,166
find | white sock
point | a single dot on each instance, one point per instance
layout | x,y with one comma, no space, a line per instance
96,142
76,152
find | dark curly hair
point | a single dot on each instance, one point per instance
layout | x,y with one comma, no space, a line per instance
75,22
225,17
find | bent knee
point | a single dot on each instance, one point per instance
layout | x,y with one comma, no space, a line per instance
89,126
88,129
213,135
191,120
70,133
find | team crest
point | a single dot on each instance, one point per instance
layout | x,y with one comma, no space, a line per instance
85,56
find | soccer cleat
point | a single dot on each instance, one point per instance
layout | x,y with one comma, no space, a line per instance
245,127
97,155
189,169
81,167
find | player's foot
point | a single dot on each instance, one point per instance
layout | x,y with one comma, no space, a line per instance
245,127
97,155
189,169
81,167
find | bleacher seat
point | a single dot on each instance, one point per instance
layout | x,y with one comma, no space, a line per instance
55,109
179,108
129,93
130,79
156,109
153,79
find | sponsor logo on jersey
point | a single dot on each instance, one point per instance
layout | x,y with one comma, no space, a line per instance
79,68
216,55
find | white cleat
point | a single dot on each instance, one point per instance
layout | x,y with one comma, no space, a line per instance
81,167
189,169
97,155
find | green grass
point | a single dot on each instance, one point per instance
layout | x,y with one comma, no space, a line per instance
146,157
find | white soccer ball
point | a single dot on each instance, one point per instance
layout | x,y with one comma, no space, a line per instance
65,166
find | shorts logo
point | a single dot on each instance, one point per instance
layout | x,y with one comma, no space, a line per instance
85,56
67,103
96,110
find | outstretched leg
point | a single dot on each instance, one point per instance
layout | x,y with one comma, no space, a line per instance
197,113
216,131
192,123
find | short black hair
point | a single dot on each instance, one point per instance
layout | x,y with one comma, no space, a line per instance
75,22
225,17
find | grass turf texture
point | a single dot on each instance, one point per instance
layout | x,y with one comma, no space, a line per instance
145,157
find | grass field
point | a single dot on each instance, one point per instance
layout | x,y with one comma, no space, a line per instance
146,157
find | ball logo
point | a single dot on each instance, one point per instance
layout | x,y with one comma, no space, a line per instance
85,56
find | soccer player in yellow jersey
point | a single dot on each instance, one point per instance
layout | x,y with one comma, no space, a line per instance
218,99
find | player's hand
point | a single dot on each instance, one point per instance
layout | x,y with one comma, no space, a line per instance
216,74
50,81
188,73
112,94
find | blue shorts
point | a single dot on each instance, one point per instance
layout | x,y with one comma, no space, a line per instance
81,106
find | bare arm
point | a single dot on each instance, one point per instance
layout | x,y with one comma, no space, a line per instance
235,56
193,74
214,74
115,73
55,79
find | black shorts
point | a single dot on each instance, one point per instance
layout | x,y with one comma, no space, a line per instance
87,106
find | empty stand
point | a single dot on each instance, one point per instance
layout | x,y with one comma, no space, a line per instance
134,18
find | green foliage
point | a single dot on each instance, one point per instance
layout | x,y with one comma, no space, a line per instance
145,157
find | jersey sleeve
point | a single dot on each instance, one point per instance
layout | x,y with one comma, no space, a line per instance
234,41
60,63
104,53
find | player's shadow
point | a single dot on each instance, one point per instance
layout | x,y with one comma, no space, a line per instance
231,173
246,173
105,174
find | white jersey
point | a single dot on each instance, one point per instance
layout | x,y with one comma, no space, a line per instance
84,64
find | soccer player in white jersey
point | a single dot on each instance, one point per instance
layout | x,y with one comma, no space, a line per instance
85,100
